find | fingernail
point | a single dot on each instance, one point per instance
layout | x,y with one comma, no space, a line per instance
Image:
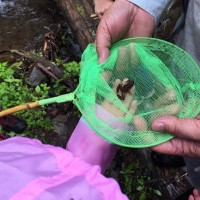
101,59
103,56
159,127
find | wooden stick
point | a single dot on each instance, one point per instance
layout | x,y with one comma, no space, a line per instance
96,18
46,70
93,15
19,108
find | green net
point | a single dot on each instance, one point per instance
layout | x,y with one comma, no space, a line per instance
143,78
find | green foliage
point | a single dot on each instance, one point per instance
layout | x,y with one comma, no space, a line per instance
145,190
127,172
71,72
14,92
157,192
72,69
143,196
134,180
80,9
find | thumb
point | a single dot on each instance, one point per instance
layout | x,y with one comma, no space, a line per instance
103,41
180,127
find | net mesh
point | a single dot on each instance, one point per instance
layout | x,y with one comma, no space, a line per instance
143,78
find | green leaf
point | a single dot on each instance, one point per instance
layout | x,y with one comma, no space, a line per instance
143,196
37,89
140,181
11,134
157,192
139,188
5,98
3,64
1,129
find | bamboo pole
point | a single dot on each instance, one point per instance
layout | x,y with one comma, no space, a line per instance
19,108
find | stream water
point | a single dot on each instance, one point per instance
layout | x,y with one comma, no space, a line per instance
23,23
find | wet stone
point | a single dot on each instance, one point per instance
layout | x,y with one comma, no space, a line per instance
64,125
36,77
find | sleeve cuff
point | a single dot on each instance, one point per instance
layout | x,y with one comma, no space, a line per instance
153,7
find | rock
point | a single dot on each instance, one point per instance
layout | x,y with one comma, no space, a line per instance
64,125
36,77
60,124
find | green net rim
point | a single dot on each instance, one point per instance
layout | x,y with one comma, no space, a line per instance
142,39
163,137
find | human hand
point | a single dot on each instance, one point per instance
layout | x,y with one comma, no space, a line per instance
122,20
130,104
195,195
187,132
100,6
88,145
166,105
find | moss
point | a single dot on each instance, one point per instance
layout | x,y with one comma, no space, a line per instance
80,9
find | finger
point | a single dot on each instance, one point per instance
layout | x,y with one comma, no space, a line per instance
172,109
115,85
120,65
116,111
128,95
181,127
196,194
124,81
132,90
133,54
132,111
140,124
166,98
191,197
109,106
106,75
178,146
133,107
103,41
112,109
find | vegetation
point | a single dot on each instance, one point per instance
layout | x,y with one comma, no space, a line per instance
71,72
15,90
134,178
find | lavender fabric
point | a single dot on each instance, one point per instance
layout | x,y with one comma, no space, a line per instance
32,170
96,150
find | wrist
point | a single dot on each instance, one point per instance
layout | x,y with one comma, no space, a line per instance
87,145
154,7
